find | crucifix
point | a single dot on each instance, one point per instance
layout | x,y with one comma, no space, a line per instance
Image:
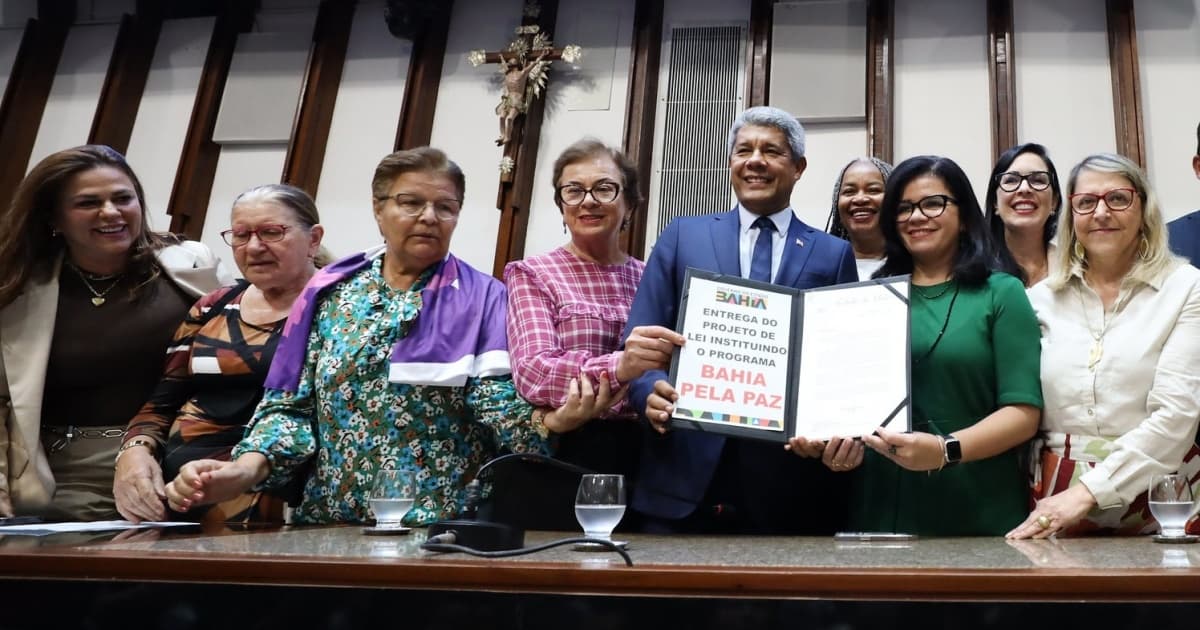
524,64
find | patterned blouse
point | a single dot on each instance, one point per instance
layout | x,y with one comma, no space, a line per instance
211,383
365,424
566,315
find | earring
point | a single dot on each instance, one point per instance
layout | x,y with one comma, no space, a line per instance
1080,253
564,227
625,224
1144,248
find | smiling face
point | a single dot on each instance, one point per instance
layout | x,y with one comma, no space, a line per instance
99,216
761,169
1025,208
417,242
1108,236
590,220
859,199
930,241
278,265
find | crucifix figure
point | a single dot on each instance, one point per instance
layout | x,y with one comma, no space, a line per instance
524,65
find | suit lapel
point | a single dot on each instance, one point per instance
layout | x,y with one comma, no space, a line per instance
27,327
724,230
796,250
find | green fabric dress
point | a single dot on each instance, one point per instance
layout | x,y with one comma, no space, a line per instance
988,357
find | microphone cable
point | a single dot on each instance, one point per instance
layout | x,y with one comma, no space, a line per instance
445,543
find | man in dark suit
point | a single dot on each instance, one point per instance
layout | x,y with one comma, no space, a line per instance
1185,231
693,482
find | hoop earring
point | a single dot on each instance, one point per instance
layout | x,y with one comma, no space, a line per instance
1144,248
1080,253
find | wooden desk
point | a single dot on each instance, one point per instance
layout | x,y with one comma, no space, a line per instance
963,569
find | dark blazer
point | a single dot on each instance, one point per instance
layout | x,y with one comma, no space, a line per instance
1185,236
676,469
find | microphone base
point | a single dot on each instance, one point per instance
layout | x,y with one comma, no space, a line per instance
481,535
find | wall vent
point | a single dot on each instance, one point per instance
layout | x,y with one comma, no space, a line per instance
704,77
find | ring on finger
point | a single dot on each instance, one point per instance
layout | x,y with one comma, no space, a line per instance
1044,521
891,449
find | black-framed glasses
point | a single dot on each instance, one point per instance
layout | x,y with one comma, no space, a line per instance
268,233
1115,199
1011,180
602,192
414,206
932,207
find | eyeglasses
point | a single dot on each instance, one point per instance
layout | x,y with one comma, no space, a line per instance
269,233
602,192
1115,199
932,207
1011,181
414,206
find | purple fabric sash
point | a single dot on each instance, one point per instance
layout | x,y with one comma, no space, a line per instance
459,333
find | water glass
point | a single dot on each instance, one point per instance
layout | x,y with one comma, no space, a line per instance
600,504
392,496
1171,503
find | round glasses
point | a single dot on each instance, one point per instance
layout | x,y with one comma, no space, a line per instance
1011,181
932,207
413,206
270,233
602,192
1115,199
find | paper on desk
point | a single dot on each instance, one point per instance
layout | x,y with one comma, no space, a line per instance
45,529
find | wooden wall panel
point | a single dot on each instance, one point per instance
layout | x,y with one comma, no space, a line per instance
641,108
880,82
125,82
421,85
1127,97
1000,75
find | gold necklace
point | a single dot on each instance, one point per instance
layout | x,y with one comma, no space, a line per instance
98,298
1097,351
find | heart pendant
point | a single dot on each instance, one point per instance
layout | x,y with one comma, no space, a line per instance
97,301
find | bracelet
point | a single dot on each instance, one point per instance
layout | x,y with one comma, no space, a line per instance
538,418
942,440
137,441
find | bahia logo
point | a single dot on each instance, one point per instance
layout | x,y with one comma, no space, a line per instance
749,300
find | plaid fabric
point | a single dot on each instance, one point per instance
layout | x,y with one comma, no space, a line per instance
566,315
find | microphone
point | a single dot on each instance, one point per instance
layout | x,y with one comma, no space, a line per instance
469,531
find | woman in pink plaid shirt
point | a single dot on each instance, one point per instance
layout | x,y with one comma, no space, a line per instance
567,308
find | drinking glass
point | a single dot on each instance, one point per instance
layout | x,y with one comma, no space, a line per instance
600,504
1171,503
392,496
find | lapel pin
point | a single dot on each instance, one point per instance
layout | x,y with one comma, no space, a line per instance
800,242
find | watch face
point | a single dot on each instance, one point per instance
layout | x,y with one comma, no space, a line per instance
953,450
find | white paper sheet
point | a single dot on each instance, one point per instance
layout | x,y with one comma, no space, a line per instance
45,529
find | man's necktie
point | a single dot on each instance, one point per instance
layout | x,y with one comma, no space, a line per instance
760,260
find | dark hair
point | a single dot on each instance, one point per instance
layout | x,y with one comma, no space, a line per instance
833,225
410,160
591,147
30,248
974,260
1004,257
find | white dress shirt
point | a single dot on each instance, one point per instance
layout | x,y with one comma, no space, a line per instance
748,235
1142,398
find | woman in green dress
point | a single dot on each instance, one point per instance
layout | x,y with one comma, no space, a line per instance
976,393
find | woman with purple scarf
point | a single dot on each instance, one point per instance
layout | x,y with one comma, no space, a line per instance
393,358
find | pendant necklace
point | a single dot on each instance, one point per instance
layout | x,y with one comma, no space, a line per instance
1097,351
945,322
98,297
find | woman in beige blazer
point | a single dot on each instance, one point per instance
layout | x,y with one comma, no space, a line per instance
89,298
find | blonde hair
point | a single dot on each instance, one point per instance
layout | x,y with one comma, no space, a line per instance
1157,260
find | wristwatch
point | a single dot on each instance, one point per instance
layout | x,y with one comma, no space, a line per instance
951,450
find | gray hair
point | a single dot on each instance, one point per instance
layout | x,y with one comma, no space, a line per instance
1151,265
764,116
298,202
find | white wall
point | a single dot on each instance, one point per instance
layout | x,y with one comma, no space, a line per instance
465,123
363,130
10,42
1169,54
941,80
156,143
241,166
829,147
589,101
1063,79
75,92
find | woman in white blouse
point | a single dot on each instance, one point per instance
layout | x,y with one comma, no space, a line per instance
1120,319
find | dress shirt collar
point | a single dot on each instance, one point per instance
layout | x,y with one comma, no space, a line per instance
1155,283
781,219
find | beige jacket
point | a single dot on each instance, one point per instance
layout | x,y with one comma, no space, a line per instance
26,328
